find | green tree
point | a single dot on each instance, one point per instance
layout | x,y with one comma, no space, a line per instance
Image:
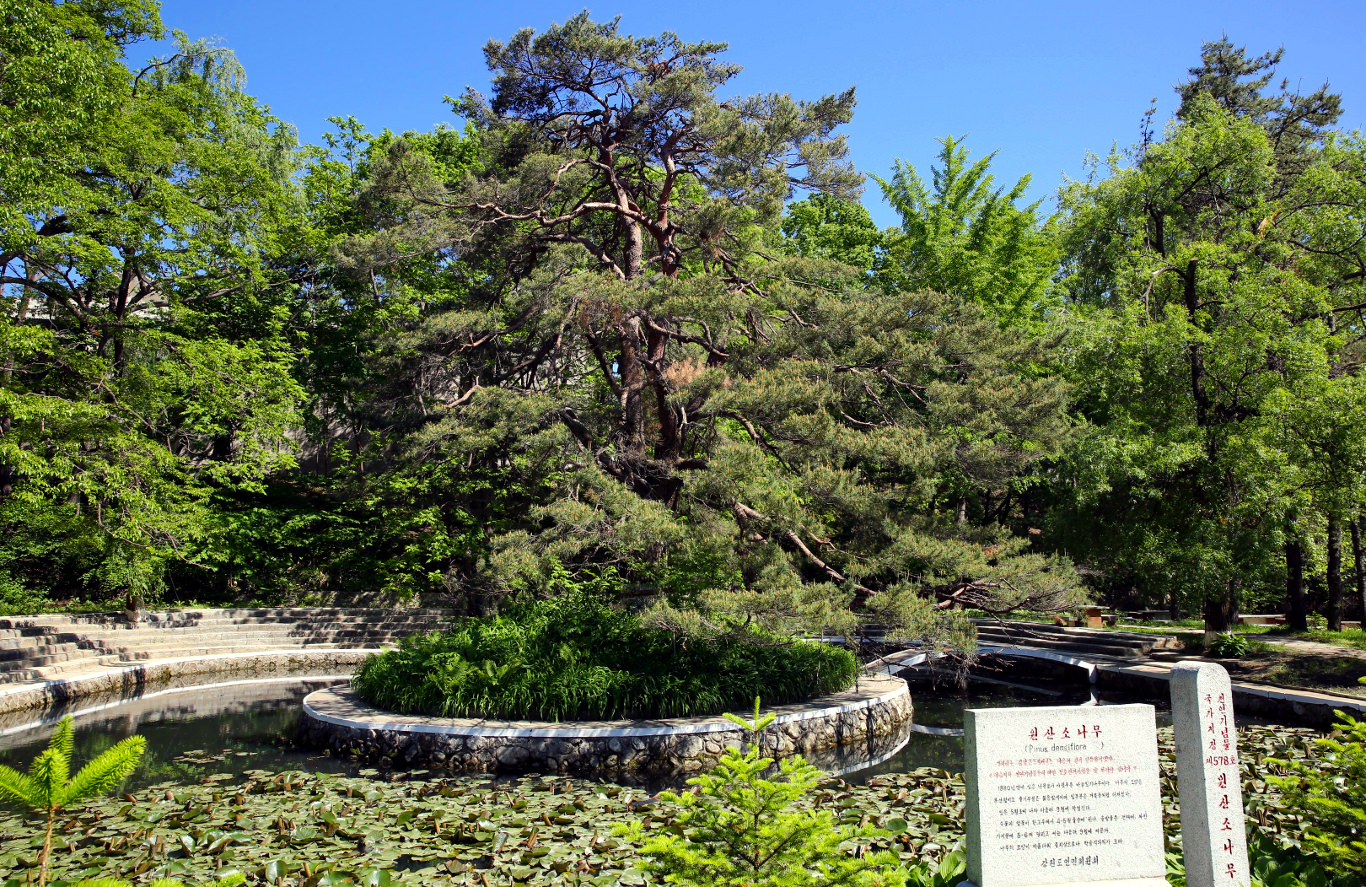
825,227
759,435
1218,289
963,235
143,340
737,829
1332,792
48,787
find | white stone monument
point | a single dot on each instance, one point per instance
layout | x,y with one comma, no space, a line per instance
1213,835
1064,795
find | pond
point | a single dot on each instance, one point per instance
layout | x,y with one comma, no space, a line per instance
220,788
234,727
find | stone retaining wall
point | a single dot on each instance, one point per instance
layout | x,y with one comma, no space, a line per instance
869,718
1281,705
128,682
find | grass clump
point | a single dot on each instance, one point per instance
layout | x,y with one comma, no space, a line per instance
578,658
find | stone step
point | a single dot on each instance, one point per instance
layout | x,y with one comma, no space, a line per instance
136,657
1122,651
16,664
1062,631
11,646
134,636
40,649
98,647
85,665
189,617
1039,634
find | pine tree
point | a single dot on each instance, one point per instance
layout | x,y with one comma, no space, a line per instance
48,788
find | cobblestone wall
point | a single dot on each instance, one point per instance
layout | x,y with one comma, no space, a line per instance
866,719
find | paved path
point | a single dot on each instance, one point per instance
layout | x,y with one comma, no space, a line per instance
1145,668
1312,647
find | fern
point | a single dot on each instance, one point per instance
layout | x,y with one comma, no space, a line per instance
47,788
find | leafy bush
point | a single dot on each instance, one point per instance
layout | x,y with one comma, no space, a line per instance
1331,790
1273,865
735,829
576,657
1230,645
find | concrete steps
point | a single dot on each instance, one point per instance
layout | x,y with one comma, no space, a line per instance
46,647
1080,642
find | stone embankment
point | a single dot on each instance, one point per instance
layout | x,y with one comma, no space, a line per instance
48,661
875,715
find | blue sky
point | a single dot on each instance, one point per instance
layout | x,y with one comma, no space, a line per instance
1041,82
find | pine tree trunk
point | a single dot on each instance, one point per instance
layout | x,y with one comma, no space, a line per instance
1296,615
1334,573
1357,556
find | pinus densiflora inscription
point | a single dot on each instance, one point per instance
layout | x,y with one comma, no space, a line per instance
1063,795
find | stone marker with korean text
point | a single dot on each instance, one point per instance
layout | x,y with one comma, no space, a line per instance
1213,837
1064,795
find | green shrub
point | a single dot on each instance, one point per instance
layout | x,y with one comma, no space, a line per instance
1331,790
1230,645
736,829
576,657
1273,865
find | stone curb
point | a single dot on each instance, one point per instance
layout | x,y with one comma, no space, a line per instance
877,714
1275,703
131,680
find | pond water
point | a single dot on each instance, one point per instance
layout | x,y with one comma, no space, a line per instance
226,730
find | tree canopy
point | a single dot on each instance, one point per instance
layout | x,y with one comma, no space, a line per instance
617,325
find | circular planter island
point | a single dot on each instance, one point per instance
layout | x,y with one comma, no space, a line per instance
873,716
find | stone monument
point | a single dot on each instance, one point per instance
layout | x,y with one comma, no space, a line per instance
1064,795
1213,836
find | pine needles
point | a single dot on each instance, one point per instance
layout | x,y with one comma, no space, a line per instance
47,787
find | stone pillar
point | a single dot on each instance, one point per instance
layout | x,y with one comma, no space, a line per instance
1213,834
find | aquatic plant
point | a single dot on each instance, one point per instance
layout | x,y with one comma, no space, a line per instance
46,788
1230,645
231,879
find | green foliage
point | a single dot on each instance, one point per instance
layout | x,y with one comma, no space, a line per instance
965,236
575,656
736,829
950,870
144,359
230,880
823,227
48,787
1332,793
1215,353
1273,865
1229,645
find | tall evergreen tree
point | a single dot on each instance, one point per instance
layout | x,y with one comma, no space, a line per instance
761,437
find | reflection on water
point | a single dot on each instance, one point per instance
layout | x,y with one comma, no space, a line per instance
192,732
230,728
